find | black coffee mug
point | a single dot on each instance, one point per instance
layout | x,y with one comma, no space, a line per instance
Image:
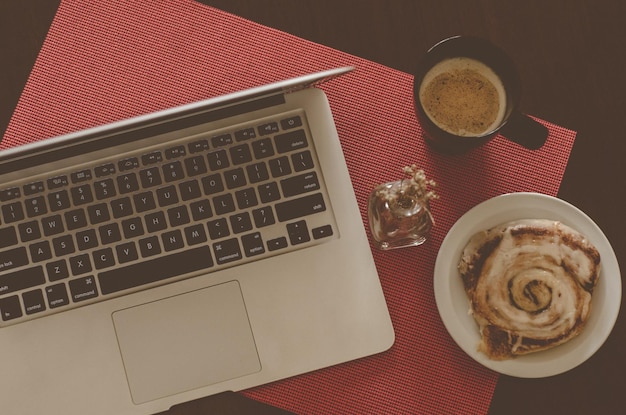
510,122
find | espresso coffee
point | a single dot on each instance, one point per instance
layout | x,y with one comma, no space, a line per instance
463,96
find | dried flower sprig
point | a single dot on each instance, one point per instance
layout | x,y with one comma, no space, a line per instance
418,186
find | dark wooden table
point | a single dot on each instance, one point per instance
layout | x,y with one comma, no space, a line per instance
571,58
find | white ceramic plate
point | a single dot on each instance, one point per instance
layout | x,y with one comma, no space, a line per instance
453,304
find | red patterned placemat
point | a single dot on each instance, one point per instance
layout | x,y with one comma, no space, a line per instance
104,61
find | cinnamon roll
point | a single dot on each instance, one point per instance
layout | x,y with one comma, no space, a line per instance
529,285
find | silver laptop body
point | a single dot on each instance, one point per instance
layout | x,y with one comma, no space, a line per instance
210,247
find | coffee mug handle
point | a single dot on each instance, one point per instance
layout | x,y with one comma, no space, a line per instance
525,131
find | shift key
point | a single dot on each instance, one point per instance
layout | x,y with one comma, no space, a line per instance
297,208
22,279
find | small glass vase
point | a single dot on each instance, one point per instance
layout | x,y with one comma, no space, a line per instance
398,219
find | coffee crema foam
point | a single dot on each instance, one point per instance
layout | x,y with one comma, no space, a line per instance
463,96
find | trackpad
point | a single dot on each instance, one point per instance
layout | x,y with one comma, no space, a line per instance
185,342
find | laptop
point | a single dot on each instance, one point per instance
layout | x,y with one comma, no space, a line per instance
210,247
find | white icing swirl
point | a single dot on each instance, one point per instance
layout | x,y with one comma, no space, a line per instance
529,285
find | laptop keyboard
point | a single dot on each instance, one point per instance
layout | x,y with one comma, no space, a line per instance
158,215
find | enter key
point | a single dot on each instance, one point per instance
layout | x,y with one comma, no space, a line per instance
300,184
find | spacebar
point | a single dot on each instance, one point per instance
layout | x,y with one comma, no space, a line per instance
155,270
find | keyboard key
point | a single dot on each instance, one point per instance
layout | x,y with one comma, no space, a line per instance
109,233
63,245
298,232
212,184
290,141
9,194
12,258
126,252
252,244
151,158
57,270
149,246
86,239
57,295
302,161
291,122
40,251
263,148
59,200
104,170
81,176
21,280
103,258
98,213
80,264
150,177
175,152
235,178
83,288
201,210
128,164
57,182
127,183
241,222
263,217
132,228
8,237
268,128
104,189
198,146
224,204
29,231
154,270
173,171
33,188
322,232
298,208
155,222
221,140
218,228
218,160
52,225
144,202
280,166
246,198
178,216
172,240
195,235
195,166
36,206
10,308
13,212
33,302
257,172
268,192
300,184
121,207
75,219
81,195
167,196
277,243
245,134
227,251
240,154
189,190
